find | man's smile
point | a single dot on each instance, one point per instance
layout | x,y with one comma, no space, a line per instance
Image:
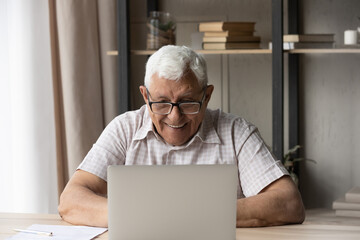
176,126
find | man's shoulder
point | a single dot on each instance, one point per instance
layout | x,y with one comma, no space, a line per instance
222,118
133,115
130,119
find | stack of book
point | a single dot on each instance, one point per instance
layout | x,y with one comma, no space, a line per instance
308,41
348,206
229,35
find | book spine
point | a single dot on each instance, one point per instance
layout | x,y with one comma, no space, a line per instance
352,197
345,206
347,213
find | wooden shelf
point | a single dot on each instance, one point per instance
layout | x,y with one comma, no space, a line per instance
331,50
232,51
251,51
236,51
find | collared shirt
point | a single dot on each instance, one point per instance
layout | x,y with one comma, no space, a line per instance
222,138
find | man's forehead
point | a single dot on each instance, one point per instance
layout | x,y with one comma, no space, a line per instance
178,91
186,86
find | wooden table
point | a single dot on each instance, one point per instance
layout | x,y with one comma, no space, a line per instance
319,224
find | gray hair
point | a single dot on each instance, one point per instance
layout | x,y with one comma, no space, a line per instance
174,62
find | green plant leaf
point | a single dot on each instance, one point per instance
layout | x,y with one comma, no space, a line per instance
303,159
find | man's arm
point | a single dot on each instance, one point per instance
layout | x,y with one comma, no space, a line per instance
83,201
279,203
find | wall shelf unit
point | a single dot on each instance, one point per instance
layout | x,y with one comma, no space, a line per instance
251,51
330,50
234,51
277,53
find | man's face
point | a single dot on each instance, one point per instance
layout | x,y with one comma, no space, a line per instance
176,128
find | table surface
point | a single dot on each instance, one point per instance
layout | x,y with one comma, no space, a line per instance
319,224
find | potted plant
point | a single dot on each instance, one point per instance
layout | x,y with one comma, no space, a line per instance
290,162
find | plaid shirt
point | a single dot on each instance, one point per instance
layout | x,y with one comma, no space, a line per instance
222,138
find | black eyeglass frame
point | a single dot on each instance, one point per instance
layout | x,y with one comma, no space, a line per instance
177,104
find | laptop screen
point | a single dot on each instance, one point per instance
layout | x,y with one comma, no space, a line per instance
172,202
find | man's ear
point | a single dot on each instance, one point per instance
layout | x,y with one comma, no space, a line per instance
143,93
209,91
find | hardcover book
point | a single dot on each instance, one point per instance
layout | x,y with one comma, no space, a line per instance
236,45
308,38
347,213
353,195
305,45
228,33
342,204
232,39
226,26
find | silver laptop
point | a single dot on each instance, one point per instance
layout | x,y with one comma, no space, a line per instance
172,202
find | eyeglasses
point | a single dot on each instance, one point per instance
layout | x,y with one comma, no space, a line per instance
186,107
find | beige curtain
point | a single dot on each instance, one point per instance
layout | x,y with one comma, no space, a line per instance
84,77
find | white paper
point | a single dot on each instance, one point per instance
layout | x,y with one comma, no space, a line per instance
60,232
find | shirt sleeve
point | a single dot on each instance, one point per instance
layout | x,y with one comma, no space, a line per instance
109,149
257,165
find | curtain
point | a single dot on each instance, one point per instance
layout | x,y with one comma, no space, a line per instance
84,77
27,129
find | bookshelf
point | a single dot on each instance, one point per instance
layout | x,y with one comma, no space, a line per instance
277,66
251,51
232,51
124,53
331,50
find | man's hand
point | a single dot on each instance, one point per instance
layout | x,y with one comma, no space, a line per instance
277,204
83,201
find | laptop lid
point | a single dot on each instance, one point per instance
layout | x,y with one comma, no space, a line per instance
172,202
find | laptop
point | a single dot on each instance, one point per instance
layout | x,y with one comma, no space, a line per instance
172,202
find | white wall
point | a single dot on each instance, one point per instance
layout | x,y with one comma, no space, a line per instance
329,84
330,104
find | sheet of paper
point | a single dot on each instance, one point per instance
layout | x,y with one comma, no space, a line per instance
60,232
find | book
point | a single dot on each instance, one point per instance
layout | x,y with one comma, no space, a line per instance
353,195
342,204
308,38
348,46
228,33
302,45
305,45
231,45
347,213
232,39
226,26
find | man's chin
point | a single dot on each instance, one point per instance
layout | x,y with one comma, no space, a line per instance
176,142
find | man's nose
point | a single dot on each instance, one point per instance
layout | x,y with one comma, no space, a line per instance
175,113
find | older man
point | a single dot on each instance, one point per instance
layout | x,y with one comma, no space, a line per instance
175,127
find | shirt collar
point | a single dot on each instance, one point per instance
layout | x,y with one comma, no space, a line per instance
206,132
147,126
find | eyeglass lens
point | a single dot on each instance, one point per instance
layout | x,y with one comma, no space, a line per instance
186,108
